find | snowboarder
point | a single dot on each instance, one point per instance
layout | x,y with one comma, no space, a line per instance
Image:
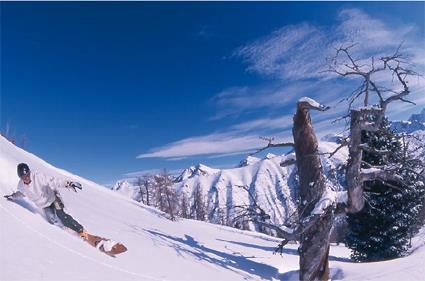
43,191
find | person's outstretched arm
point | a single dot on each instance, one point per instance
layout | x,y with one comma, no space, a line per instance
15,195
56,183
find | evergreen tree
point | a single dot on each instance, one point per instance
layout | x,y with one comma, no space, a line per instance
383,228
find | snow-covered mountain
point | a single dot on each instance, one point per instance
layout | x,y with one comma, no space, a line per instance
158,249
127,189
272,185
415,123
415,127
225,189
249,160
198,170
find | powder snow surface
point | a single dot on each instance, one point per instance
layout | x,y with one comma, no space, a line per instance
158,249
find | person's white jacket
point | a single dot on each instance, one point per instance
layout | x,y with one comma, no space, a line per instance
42,189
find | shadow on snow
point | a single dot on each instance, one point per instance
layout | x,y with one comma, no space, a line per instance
228,261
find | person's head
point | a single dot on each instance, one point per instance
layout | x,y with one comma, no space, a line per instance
24,173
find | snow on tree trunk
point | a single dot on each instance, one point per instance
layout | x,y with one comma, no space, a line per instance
314,248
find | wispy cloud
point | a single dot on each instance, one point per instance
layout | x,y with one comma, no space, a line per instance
294,58
217,143
263,123
297,57
288,53
235,100
151,172
240,141
299,52
273,97
373,35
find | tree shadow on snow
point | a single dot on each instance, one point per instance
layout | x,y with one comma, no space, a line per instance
264,248
228,261
285,250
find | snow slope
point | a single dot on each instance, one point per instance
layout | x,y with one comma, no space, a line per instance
408,268
159,249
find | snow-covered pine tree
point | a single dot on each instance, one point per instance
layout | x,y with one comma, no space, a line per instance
383,228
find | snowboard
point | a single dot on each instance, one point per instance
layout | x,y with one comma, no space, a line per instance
107,246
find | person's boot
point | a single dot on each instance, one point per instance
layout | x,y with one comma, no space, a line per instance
84,234
91,239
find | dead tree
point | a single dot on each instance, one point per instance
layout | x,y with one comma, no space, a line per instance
198,208
315,213
184,206
314,241
147,183
144,184
140,192
249,212
369,118
166,197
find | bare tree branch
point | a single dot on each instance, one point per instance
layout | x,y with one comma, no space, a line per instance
344,142
272,145
373,150
372,174
288,162
369,118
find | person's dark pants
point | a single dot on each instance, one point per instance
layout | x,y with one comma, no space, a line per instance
55,210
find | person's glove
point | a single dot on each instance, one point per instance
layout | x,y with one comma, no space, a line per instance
73,185
9,197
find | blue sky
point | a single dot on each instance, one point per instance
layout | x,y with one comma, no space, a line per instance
108,89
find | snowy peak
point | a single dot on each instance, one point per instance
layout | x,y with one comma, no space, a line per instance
121,185
269,156
249,160
273,184
416,122
336,138
127,189
420,117
223,191
198,170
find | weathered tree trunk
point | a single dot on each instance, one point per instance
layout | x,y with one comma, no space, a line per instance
353,176
314,248
147,187
366,119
